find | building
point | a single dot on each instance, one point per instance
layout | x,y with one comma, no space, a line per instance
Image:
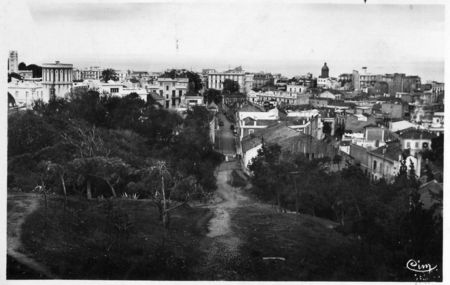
384,162
76,75
401,125
393,110
331,95
262,79
216,79
415,140
93,72
173,90
437,125
248,122
57,79
278,97
13,61
306,122
25,93
25,74
325,71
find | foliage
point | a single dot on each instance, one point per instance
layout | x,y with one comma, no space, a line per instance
389,219
213,95
28,132
230,86
109,74
195,82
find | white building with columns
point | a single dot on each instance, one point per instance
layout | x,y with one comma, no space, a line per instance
57,79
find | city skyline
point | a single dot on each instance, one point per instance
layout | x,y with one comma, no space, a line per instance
292,39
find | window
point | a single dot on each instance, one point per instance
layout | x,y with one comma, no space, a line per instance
417,144
251,131
114,90
173,93
408,145
180,93
160,92
374,165
167,87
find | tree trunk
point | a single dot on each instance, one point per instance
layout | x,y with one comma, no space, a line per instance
113,191
88,189
164,210
64,191
297,210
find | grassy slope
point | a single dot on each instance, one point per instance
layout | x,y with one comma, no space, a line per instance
311,249
86,244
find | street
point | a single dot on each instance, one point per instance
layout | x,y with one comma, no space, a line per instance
225,139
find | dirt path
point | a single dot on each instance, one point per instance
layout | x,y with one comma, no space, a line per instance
222,242
20,205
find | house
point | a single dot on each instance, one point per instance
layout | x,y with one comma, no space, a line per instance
289,140
328,94
251,144
248,122
401,125
360,156
306,122
437,124
26,92
393,110
193,100
415,140
384,162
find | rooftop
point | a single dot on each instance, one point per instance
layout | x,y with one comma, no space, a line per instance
272,134
391,151
416,134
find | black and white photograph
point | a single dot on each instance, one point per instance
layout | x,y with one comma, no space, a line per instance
223,141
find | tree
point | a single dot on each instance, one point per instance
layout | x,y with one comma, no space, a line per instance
14,75
213,95
162,192
109,169
11,100
57,171
89,146
28,133
22,66
109,74
326,128
230,86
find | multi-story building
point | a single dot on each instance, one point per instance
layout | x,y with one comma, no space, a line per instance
57,79
76,75
93,72
262,79
216,79
173,90
415,140
278,97
13,61
25,93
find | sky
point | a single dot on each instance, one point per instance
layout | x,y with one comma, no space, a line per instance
290,38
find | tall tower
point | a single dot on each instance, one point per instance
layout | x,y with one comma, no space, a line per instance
13,61
325,71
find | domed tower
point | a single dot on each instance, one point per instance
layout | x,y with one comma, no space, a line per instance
325,71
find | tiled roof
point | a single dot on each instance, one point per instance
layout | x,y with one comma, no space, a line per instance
416,134
391,150
272,134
